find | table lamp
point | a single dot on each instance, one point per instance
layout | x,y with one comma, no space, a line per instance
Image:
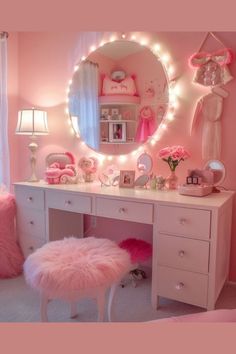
32,122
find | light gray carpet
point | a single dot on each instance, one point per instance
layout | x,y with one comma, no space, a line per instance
18,303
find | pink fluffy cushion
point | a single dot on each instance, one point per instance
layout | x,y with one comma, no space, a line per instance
125,87
139,250
11,258
70,267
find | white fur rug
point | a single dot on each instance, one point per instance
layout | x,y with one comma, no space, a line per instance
18,303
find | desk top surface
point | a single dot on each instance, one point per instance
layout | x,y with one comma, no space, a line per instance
214,200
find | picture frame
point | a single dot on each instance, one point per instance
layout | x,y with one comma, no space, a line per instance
115,114
117,132
115,111
104,113
127,178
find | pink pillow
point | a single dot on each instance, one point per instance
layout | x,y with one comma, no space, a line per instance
124,87
11,258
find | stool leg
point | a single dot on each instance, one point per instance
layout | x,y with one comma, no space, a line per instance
101,304
110,301
43,308
73,310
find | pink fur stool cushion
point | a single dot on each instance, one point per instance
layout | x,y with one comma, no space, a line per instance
11,258
71,267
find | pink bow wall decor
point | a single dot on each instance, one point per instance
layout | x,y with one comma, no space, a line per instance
222,57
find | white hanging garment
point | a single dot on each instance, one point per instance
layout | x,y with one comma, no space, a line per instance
209,108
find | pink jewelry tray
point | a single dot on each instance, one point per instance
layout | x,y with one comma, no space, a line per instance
195,190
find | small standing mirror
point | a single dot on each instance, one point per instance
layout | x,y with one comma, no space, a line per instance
144,163
218,169
144,166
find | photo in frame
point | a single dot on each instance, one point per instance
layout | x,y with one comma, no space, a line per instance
127,178
117,132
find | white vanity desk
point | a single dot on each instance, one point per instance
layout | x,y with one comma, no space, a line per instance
191,236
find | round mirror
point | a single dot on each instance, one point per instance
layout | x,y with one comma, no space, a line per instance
218,169
144,163
118,97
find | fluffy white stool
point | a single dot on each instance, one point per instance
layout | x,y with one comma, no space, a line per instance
73,268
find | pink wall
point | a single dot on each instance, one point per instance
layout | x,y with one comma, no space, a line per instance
45,64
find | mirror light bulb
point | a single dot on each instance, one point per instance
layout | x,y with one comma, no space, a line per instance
122,158
165,58
153,142
92,48
163,126
157,47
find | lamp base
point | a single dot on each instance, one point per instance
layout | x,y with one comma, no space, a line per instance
33,146
33,178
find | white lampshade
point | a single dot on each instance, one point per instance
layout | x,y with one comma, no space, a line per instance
32,122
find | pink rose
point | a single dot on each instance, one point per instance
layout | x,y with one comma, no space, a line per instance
165,152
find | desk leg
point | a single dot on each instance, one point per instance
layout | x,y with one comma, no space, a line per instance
110,301
73,309
43,308
155,301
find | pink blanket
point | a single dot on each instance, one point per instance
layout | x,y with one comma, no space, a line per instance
11,258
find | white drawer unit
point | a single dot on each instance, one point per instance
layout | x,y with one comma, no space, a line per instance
69,202
124,210
183,286
191,236
189,222
183,253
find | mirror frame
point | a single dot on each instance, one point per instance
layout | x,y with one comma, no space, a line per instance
206,167
173,89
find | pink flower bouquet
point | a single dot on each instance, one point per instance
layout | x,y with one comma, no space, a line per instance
173,155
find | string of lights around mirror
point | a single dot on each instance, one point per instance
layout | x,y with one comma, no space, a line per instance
173,93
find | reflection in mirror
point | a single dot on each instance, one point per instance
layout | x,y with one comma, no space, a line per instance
118,97
218,169
141,181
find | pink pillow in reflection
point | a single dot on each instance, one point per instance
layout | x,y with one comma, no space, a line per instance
124,87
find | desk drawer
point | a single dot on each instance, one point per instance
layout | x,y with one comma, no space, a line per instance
192,223
183,253
29,244
69,202
31,222
182,286
119,209
30,197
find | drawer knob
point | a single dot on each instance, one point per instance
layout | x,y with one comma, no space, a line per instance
181,253
183,221
31,222
122,210
30,199
179,286
68,202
